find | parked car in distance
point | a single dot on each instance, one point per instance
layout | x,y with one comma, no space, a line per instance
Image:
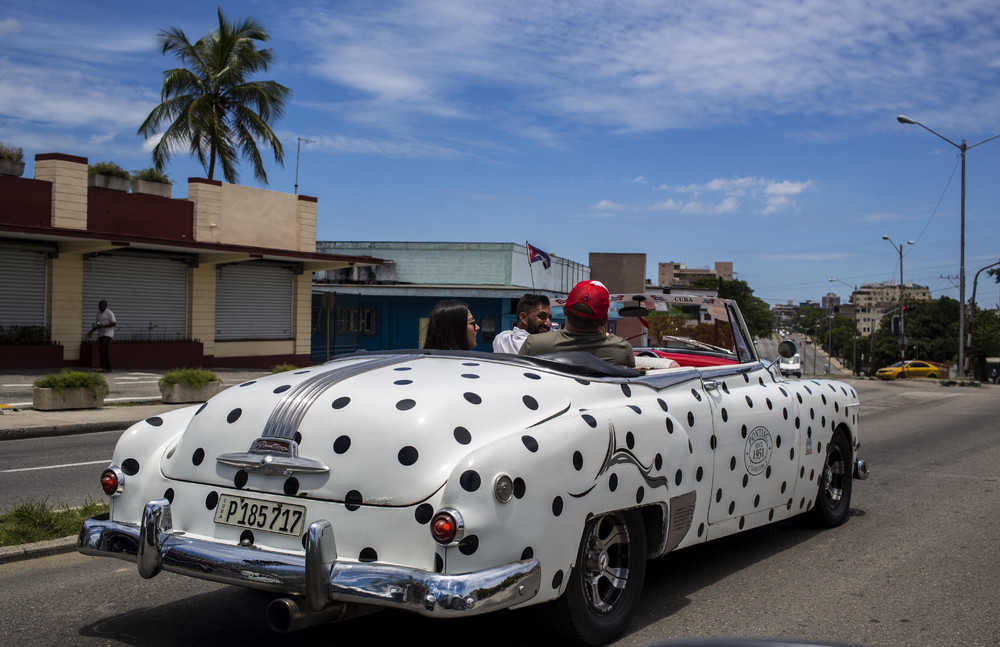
455,483
789,366
909,368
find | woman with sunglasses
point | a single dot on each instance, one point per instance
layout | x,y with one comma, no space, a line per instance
451,327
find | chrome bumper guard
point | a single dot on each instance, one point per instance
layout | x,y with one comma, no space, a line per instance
318,576
861,469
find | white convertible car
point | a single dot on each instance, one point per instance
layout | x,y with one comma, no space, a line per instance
452,484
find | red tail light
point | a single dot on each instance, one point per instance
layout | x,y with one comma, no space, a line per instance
447,526
112,481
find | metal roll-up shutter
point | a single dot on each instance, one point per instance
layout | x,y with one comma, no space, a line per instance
22,275
146,291
253,300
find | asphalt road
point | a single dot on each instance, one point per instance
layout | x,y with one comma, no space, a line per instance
916,564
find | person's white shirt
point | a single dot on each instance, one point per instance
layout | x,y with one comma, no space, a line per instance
509,341
105,319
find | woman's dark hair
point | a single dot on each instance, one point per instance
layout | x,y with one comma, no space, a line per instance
447,327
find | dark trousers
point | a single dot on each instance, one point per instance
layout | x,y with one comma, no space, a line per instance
103,344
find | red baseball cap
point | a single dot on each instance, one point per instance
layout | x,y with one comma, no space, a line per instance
589,300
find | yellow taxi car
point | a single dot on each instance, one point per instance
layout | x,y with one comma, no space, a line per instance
910,368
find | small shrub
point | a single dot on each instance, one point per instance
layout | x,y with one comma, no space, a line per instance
69,379
36,521
193,377
11,153
281,368
150,175
107,168
24,336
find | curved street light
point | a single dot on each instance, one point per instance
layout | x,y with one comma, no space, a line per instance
902,334
854,310
903,119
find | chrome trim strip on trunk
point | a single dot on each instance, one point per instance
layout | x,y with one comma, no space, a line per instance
154,547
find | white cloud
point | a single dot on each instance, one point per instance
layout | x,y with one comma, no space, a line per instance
9,26
667,205
640,180
766,196
607,205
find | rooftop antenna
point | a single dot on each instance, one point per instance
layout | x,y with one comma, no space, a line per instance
298,149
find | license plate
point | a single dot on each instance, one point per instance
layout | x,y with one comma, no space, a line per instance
245,512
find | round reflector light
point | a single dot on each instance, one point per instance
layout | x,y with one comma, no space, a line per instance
447,526
112,481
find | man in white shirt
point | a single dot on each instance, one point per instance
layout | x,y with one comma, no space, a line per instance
105,328
533,316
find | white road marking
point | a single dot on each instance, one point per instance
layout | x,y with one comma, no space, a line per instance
53,467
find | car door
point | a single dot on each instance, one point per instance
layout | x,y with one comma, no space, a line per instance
755,433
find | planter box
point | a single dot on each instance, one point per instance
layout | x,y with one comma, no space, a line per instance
8,167
179,393
152,188
31,356
108,182
52,400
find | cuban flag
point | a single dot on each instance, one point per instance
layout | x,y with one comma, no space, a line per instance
535,254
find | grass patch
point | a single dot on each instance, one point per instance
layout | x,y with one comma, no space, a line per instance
193,377
37,521
69,379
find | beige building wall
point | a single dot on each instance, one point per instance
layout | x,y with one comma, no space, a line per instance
302,313
65,307
254,348
68,176
207,198
260,218
201,310
619,272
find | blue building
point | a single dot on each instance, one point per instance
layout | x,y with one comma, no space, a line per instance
386,306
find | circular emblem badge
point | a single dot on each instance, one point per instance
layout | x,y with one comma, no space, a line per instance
758,450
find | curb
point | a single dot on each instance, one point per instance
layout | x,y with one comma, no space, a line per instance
63,430
46,548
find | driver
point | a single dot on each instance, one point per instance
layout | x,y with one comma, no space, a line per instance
586,312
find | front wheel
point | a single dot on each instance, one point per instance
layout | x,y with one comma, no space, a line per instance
834,498
603,590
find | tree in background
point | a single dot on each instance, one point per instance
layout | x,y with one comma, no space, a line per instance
756,313
209,103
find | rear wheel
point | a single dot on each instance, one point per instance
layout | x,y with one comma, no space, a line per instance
603,590
834,498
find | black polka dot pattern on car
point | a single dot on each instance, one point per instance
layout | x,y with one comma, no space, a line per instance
613,482
470,376
533,376
557,506
353,500
469,545
246,538
340,403
577,461
530,402
282,388
130,467
635,408
198,456
530,443
240,479
201,408
557,580
725,415
697,396
640,494
423,513
527,553
749,402
472,398
627,390
690,418
297,438
462,436
438,563
169,495
630,440
406,405
234,415
590,420
670,426
519,488
291,486
342,444
248,383
662,403
402,382
407,455
368,554
155,421
212,500
470,480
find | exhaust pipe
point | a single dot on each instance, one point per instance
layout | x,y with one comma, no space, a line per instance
292,614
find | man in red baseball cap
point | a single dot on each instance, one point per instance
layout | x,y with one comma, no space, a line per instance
586,312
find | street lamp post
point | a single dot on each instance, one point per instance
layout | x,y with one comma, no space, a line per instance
902,325
972,309
298,149
903,119
854,310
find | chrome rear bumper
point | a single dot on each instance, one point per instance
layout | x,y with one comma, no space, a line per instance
318,575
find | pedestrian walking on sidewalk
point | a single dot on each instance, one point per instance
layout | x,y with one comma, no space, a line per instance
105,329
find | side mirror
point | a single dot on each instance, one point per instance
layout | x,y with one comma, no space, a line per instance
786,348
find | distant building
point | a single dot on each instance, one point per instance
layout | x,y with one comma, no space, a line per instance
387,306
830,301
679,275
874,300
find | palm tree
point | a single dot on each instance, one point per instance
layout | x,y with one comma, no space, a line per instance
210,105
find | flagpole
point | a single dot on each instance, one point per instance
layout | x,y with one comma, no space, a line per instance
527,257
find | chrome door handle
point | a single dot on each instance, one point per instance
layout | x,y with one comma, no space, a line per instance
710,385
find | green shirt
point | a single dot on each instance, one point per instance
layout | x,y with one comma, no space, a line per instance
610,348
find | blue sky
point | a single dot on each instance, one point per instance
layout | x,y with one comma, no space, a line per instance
758,132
